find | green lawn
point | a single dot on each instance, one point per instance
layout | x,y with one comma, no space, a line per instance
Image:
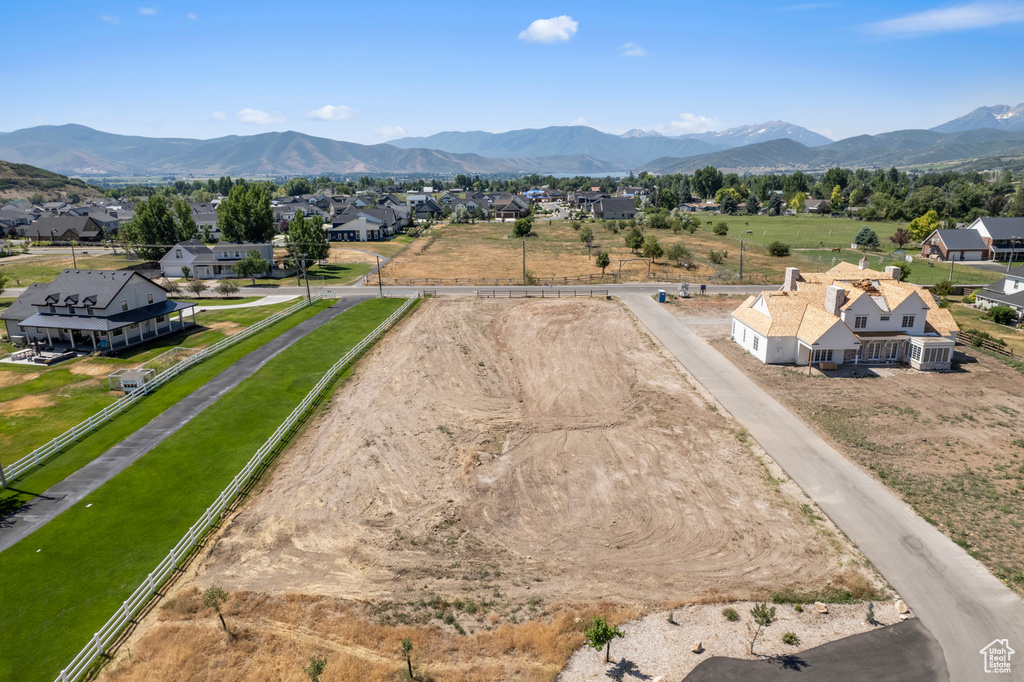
922,271
209,302
973,318
65,398
802,231
338,274
66,579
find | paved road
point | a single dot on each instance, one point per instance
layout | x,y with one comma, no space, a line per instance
62,496
963,605
905,652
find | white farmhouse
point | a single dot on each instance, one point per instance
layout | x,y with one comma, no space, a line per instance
844,315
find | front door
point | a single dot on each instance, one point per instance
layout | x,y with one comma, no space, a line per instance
874,352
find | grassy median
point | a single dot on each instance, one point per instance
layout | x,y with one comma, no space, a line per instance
66,579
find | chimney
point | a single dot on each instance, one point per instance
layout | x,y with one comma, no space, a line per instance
835,297
894,272
863,264
792,277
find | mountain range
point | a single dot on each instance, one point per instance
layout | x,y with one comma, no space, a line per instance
996,132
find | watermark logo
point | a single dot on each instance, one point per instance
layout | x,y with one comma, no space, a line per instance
997,656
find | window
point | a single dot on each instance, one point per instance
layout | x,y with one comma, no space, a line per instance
118,331
908,321
40,330
936,355
159,318
177,254
860,322
915,352
756,339
124,306
884,318
88,310
149,298
823,355
53,309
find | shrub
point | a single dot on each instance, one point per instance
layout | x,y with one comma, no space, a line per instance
731,614
717,257
721,228
979,335
943,289
778,249
971,297
799,608
1003,314
790,638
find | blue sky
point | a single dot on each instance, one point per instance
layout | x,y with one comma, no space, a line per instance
368,72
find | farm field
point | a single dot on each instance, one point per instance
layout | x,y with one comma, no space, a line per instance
24,271
39,403
92,556
951,444
479,476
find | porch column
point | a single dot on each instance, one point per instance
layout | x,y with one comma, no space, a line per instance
92,335
49,341
181,322
194,315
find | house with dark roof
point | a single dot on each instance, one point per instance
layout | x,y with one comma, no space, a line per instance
94,310
1008,292
955,245
818,206
616,208
585,199
366,224
1004,236
188,254
62,229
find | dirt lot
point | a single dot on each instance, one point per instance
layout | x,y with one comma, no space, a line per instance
497,469
952,444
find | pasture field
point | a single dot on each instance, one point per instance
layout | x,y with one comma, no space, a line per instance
481,484
24,271
66,579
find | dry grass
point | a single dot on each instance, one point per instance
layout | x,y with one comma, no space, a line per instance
272,637
486,251
25,405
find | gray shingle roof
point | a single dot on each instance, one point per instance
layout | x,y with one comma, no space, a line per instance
100,285
962,240
103,324
1003,228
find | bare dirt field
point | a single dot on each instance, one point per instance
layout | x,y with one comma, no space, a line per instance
951,444
500,470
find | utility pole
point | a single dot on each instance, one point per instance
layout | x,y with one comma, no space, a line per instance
951,270
74,260
741,259
305,276
380,284
524,262
1013,245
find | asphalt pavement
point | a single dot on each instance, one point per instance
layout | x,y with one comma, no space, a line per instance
956,598
51,503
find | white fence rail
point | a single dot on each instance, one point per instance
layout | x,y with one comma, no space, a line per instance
57,445
81,663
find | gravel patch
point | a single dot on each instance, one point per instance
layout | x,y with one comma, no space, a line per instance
654,649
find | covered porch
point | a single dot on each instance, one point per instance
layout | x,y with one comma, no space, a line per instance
106,334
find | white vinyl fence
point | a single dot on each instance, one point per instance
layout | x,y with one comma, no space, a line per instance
57,445
109,632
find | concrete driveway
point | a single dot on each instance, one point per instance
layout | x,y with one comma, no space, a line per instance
960,602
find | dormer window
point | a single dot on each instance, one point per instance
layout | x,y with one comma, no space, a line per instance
177,254
53,309
149,298
124,306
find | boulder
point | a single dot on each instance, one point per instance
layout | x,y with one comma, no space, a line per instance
901,607
820,608
698,647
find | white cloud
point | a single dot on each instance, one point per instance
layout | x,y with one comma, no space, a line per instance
257,117
691,123
580,122
553,30
147,11
633,50
332,113
110,19
390,132
218,116
958,18
192,16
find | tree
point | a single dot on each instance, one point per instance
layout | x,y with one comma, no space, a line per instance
774,204
296,187
900,237
680,254
315,668
197,287
652,249
213,598
587,236
668,199
691,223
479,213
922,226
634,238
246,216
3,282
763,616
904,270
153,229
186,271
603,260
778,249
1015,208
729,204
226,288
306,236
600,635
867,239
407,650
721,228
753,205
522,228
640,218
836,201
172,287
184,224
461,214
706,182
797,202
253,264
